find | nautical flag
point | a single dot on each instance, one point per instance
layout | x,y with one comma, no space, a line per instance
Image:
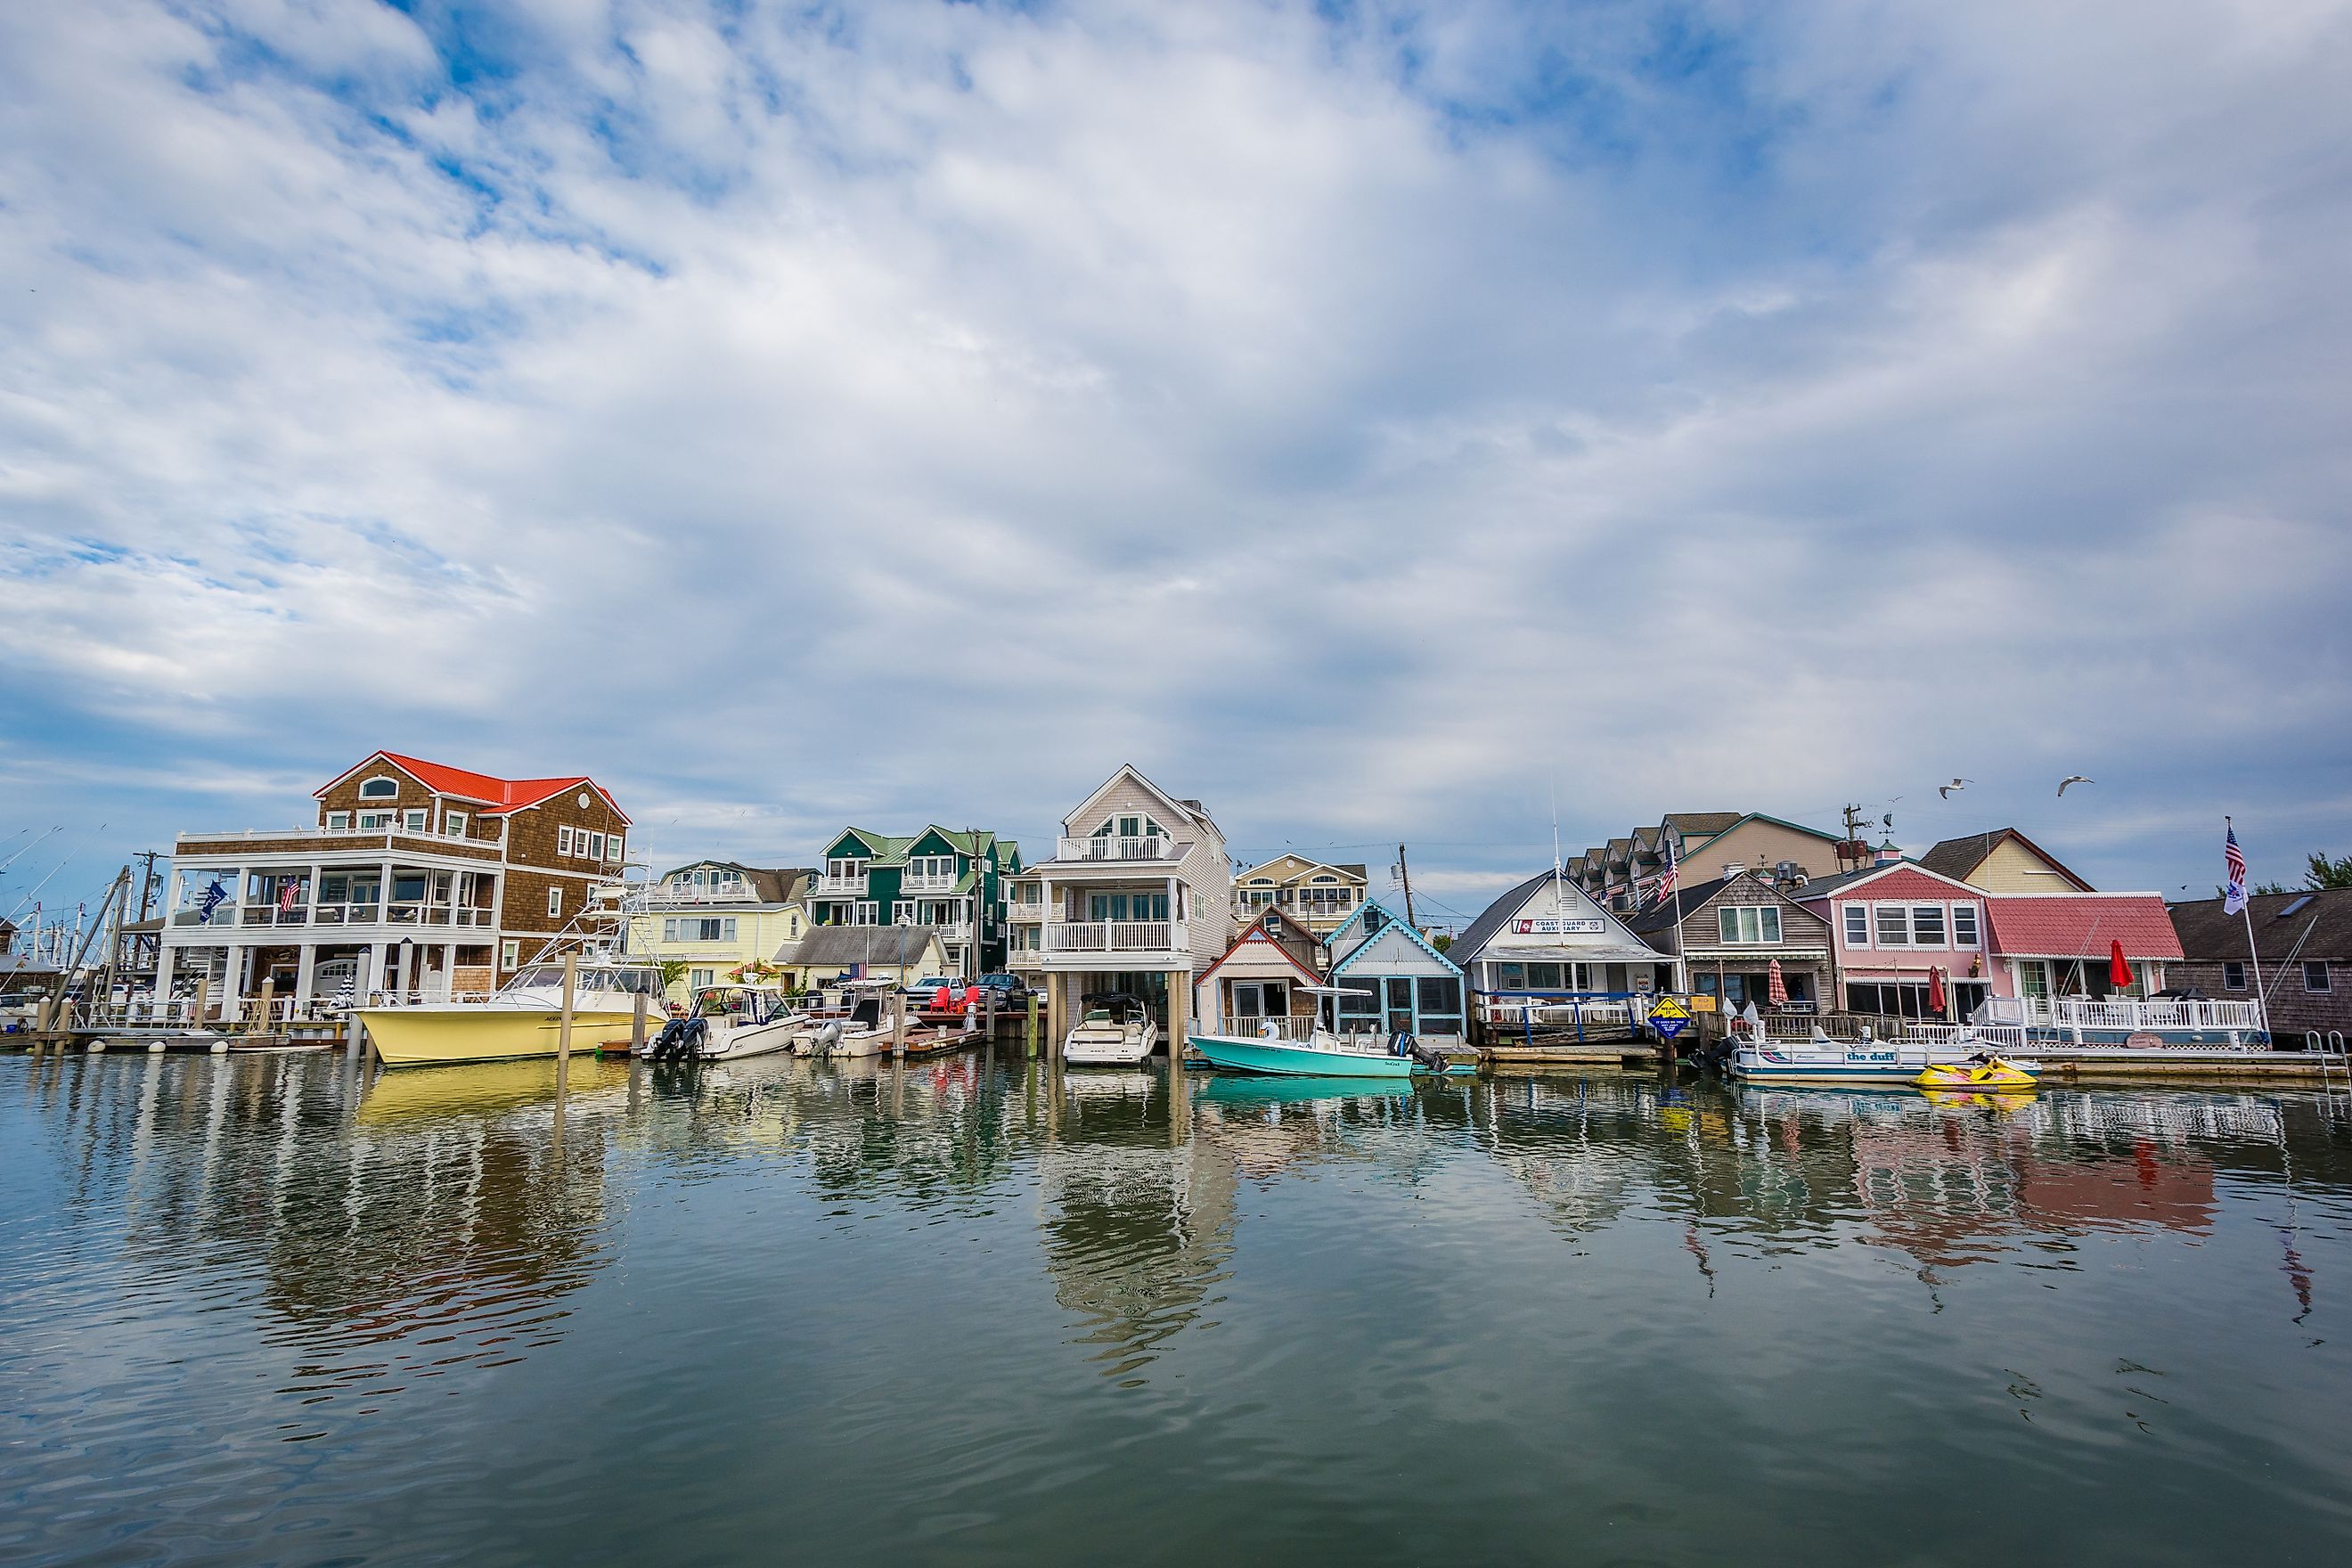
2234,859
209,901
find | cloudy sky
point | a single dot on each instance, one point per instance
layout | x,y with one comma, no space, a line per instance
1377,419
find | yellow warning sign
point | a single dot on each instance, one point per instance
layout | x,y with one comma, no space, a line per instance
1669,1007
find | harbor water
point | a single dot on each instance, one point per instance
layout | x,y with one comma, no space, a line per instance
271,1308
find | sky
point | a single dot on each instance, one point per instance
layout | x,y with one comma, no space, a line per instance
1386,422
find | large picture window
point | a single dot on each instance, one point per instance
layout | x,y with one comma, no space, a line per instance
1893,925
1748,924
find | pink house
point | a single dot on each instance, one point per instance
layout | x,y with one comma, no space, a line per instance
1890,924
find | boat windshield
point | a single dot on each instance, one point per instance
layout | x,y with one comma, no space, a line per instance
639,982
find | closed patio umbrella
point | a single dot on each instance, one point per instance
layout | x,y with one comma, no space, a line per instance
1776,990
2119,969
1935,997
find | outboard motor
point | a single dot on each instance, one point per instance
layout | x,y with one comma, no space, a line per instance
828,1037
680,1038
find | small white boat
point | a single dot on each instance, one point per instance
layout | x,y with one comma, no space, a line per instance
1116,1032
1322,1047
729,1023
865,1030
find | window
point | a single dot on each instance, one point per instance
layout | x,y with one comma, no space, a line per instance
2314,978
564,840
414,820
374,821
1748,922
595,847
842,869
337,821
1926,925
453,824
510,954
902,913
1964,925
718,929
612,847
1894,926
1857,926
554,902
2233,977
380,788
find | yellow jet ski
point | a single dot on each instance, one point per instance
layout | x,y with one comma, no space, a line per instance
1995,1075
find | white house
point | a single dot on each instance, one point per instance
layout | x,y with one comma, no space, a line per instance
1547,937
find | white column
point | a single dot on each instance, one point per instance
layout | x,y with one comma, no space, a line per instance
305,965
232,980
448,969
164,955
372,970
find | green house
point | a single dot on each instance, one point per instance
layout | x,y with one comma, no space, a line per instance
950,879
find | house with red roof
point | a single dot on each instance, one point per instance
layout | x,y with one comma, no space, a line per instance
413,877
1898,929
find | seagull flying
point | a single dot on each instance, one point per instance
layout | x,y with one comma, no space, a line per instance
1945,790
2073,779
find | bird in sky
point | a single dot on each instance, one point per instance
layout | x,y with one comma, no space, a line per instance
1945,790
2072,779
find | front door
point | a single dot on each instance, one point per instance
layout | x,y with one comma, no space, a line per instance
1397,991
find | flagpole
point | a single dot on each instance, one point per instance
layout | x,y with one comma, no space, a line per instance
2246,909
1675,870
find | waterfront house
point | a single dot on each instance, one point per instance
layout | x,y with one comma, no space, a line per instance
1137,896
718,916
901,954
416,877
1728,932
2304,943
1262,975
1395,978
1704,844
1546,938
2040,959
950,879
1318,896
2002,860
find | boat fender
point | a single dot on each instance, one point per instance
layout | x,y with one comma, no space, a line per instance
1268,1031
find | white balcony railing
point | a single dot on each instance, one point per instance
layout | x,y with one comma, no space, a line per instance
961,931
841,887
1149,847
733,893
1025,915
911,883
1115,936
2121,1012
403,913
345,836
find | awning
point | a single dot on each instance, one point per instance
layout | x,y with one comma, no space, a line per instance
2082,925
1611,953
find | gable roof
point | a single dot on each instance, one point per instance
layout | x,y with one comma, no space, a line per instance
1826,887
1745,817
860,945
498,796
1959,857
2280,920
1393,922
1190,811
1497,915
770,885
1286,944
1701,824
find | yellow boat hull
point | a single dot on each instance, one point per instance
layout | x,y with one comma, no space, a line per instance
433,1037
1997,1077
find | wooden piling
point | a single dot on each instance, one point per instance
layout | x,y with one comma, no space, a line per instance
1031,1032
637,1027
203,1003
563,1025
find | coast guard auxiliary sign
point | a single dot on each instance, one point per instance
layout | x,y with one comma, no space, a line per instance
1554,926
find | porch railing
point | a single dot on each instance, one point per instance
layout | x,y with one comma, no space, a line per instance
1149,848
928,884
841,887
1025,915
1115,936
2121,1012
406,912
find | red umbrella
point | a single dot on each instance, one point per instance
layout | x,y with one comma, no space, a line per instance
1776,990
2119,969
1935,990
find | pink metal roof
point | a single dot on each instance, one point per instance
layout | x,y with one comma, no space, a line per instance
2081,925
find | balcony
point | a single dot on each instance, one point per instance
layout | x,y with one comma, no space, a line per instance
1115,936
961,933
2077,1014
1166,851
1025,915
841,887
329,838
911,884
686,897
405,914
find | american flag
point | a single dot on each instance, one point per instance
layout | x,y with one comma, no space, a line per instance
2234,859
288,891
1666,876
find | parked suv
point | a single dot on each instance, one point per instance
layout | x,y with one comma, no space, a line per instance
1011,990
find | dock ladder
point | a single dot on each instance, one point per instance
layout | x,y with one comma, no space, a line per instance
2332,1061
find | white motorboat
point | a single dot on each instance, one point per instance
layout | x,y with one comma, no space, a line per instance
865,1029
524,1020
1117,1031
729,1023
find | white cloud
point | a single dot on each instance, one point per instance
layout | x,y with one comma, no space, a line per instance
1367,426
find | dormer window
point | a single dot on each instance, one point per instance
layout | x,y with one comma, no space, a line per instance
380,787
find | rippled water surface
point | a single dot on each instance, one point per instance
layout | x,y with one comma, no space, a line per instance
262,1308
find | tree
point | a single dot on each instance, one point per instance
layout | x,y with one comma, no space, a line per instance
1442,941
2326,873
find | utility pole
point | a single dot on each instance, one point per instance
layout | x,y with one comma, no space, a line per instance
1404,875
147,857
1854,826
